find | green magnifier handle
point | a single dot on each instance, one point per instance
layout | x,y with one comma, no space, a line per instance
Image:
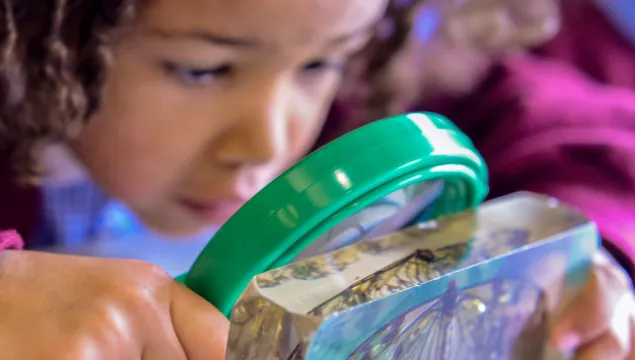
329,186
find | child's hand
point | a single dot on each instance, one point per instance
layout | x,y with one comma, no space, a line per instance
63,307
600,322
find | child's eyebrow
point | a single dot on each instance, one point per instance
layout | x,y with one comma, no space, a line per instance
235,41
206,36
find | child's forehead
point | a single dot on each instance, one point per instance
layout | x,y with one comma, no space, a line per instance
269,20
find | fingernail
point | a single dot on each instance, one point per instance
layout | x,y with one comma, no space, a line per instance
567,342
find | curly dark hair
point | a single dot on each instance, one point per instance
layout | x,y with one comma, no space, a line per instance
54,59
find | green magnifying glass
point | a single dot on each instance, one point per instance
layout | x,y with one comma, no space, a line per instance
364,184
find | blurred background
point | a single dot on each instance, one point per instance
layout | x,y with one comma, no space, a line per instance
454,51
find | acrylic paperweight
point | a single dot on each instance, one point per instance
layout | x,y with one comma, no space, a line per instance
481,284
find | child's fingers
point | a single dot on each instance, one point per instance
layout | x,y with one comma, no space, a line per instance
606,347
631,353
617,343
571,330
202,330
591,314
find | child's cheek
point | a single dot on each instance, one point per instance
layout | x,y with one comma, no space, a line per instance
130,183
129,173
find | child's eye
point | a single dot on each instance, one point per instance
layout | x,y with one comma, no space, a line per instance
320,65
197,77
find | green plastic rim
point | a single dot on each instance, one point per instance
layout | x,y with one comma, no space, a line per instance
328,186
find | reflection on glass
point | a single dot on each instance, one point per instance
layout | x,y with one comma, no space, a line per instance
386,215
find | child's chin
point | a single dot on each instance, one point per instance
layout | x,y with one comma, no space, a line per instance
182,222
186,235
186,229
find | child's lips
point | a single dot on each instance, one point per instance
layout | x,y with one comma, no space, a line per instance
212,212
215,209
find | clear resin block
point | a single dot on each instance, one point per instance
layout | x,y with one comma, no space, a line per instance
479,285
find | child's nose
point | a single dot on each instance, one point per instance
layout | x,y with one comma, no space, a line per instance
259,132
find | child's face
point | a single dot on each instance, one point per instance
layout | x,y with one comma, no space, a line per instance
208,100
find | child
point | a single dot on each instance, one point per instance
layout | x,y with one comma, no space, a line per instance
204,102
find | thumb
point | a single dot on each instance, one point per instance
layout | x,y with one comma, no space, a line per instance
199,326
568,334
591,313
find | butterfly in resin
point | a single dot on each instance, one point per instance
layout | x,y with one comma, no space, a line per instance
411,271
498,320
482,321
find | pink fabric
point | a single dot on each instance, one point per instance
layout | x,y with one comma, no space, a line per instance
590,44
10,240
573,124
558,121
545,126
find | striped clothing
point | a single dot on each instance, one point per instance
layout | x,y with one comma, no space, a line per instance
79,218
